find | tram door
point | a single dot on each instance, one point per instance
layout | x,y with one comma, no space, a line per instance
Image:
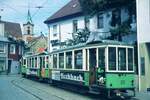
92,65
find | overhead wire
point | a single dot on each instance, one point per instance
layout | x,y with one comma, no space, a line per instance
7,5
39,8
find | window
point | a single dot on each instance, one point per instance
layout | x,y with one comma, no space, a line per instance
2,48
78,59
100,21
2,65
47,62
24,62
75,25
87,23
12,49
1,29
112,58
130,59
68,60
142,66
32,62
28,30
61,60
54,30
55,61
122,58
20,50
101,58
92,58
36,62
43,62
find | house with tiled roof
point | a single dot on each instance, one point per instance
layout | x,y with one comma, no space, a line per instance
11,47
69,19
37,45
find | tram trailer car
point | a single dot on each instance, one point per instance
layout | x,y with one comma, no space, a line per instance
36,66
105,68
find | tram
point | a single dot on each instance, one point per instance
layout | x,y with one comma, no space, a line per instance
36,66
105,67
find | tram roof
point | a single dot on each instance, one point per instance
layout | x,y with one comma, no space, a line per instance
92,44
43,53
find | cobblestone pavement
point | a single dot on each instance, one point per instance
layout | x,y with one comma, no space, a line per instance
18,88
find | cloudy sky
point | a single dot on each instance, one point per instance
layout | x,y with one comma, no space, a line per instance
16,11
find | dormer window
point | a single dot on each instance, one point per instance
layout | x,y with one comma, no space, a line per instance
74,5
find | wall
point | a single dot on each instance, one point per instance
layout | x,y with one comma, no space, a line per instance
65,28
143,29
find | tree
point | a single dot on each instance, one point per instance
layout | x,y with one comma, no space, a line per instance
93,7
81,36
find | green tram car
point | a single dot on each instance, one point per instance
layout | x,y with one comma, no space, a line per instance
102,67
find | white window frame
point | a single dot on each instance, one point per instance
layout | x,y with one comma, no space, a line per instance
2,48
14,48
55,28
117,59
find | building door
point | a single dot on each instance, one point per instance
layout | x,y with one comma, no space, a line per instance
9,66
92,65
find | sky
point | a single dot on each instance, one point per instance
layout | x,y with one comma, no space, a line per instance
16,11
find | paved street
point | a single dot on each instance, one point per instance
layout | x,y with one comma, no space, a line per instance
17,88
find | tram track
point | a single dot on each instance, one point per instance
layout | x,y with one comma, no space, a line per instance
32,87
16,85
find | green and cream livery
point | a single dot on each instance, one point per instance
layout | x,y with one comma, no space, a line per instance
101,67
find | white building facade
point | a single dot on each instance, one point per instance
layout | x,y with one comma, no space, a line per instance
64,23
143,35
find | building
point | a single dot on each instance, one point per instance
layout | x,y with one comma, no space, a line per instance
37,45
69,19
11,47
143,29
28,29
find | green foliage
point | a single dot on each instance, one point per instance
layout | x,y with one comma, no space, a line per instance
91,7
121,30
81,36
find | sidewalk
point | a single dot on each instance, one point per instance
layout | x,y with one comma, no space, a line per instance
145,95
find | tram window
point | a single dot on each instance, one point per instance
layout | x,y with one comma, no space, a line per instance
30,63
61,60
47,61
68,60
24,62
130,59
40,62
35,61
101,60
55,61
122,58
112,58
78,59
43,62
